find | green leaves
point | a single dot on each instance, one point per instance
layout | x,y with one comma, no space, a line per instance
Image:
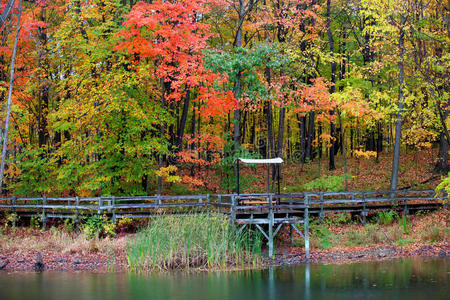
248,64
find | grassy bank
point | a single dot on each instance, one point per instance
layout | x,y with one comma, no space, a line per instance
208,242
340,231
201,241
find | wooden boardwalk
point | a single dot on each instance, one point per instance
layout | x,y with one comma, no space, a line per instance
267,212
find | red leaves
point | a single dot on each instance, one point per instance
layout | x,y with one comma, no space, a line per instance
172,34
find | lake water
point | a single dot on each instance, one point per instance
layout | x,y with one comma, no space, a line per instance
394,279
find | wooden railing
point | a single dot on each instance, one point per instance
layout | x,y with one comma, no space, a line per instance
147,206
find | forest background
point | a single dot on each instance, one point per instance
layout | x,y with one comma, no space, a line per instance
118,97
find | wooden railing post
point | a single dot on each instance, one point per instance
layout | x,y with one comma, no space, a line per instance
44,217
220,203
77,203
271,223
14,204
207,202
405,204
233,208
157,201
100,203
113,204
306,223
364,211
321,213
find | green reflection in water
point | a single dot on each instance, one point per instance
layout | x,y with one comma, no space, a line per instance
395,279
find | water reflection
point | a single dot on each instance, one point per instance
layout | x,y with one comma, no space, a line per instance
398,279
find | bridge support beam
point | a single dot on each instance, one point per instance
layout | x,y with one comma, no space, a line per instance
306,223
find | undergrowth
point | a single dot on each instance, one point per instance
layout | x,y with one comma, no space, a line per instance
338,230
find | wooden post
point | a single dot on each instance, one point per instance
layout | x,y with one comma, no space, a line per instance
271,221
207,202
14,205
77,202
364,211
321,214
237,178
233,208
306,223
405,203
291,233
100,203
220,202
278,180
44,217
113,203
157,201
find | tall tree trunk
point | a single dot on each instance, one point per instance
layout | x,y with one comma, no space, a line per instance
332,165
269,116
442,165
310,135
184,115
302,127
237,87
319,139
8,106
43,93
162,132
398,125
379,140
281,125
280,139
244,127
253,131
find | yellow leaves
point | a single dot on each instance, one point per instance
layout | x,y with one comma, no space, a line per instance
364,154
167,174
420,137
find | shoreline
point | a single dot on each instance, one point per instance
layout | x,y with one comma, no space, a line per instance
362,254
23,262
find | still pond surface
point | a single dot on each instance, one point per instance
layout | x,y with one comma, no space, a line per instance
393,279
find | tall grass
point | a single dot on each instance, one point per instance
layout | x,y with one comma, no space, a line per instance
197,241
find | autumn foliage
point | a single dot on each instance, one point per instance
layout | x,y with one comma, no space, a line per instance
135,97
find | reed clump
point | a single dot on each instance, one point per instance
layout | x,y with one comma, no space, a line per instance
203,241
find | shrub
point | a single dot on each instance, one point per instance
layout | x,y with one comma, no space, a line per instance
69,225
98,226
320,236
406,224
386,217
11,220
35,223
327,183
